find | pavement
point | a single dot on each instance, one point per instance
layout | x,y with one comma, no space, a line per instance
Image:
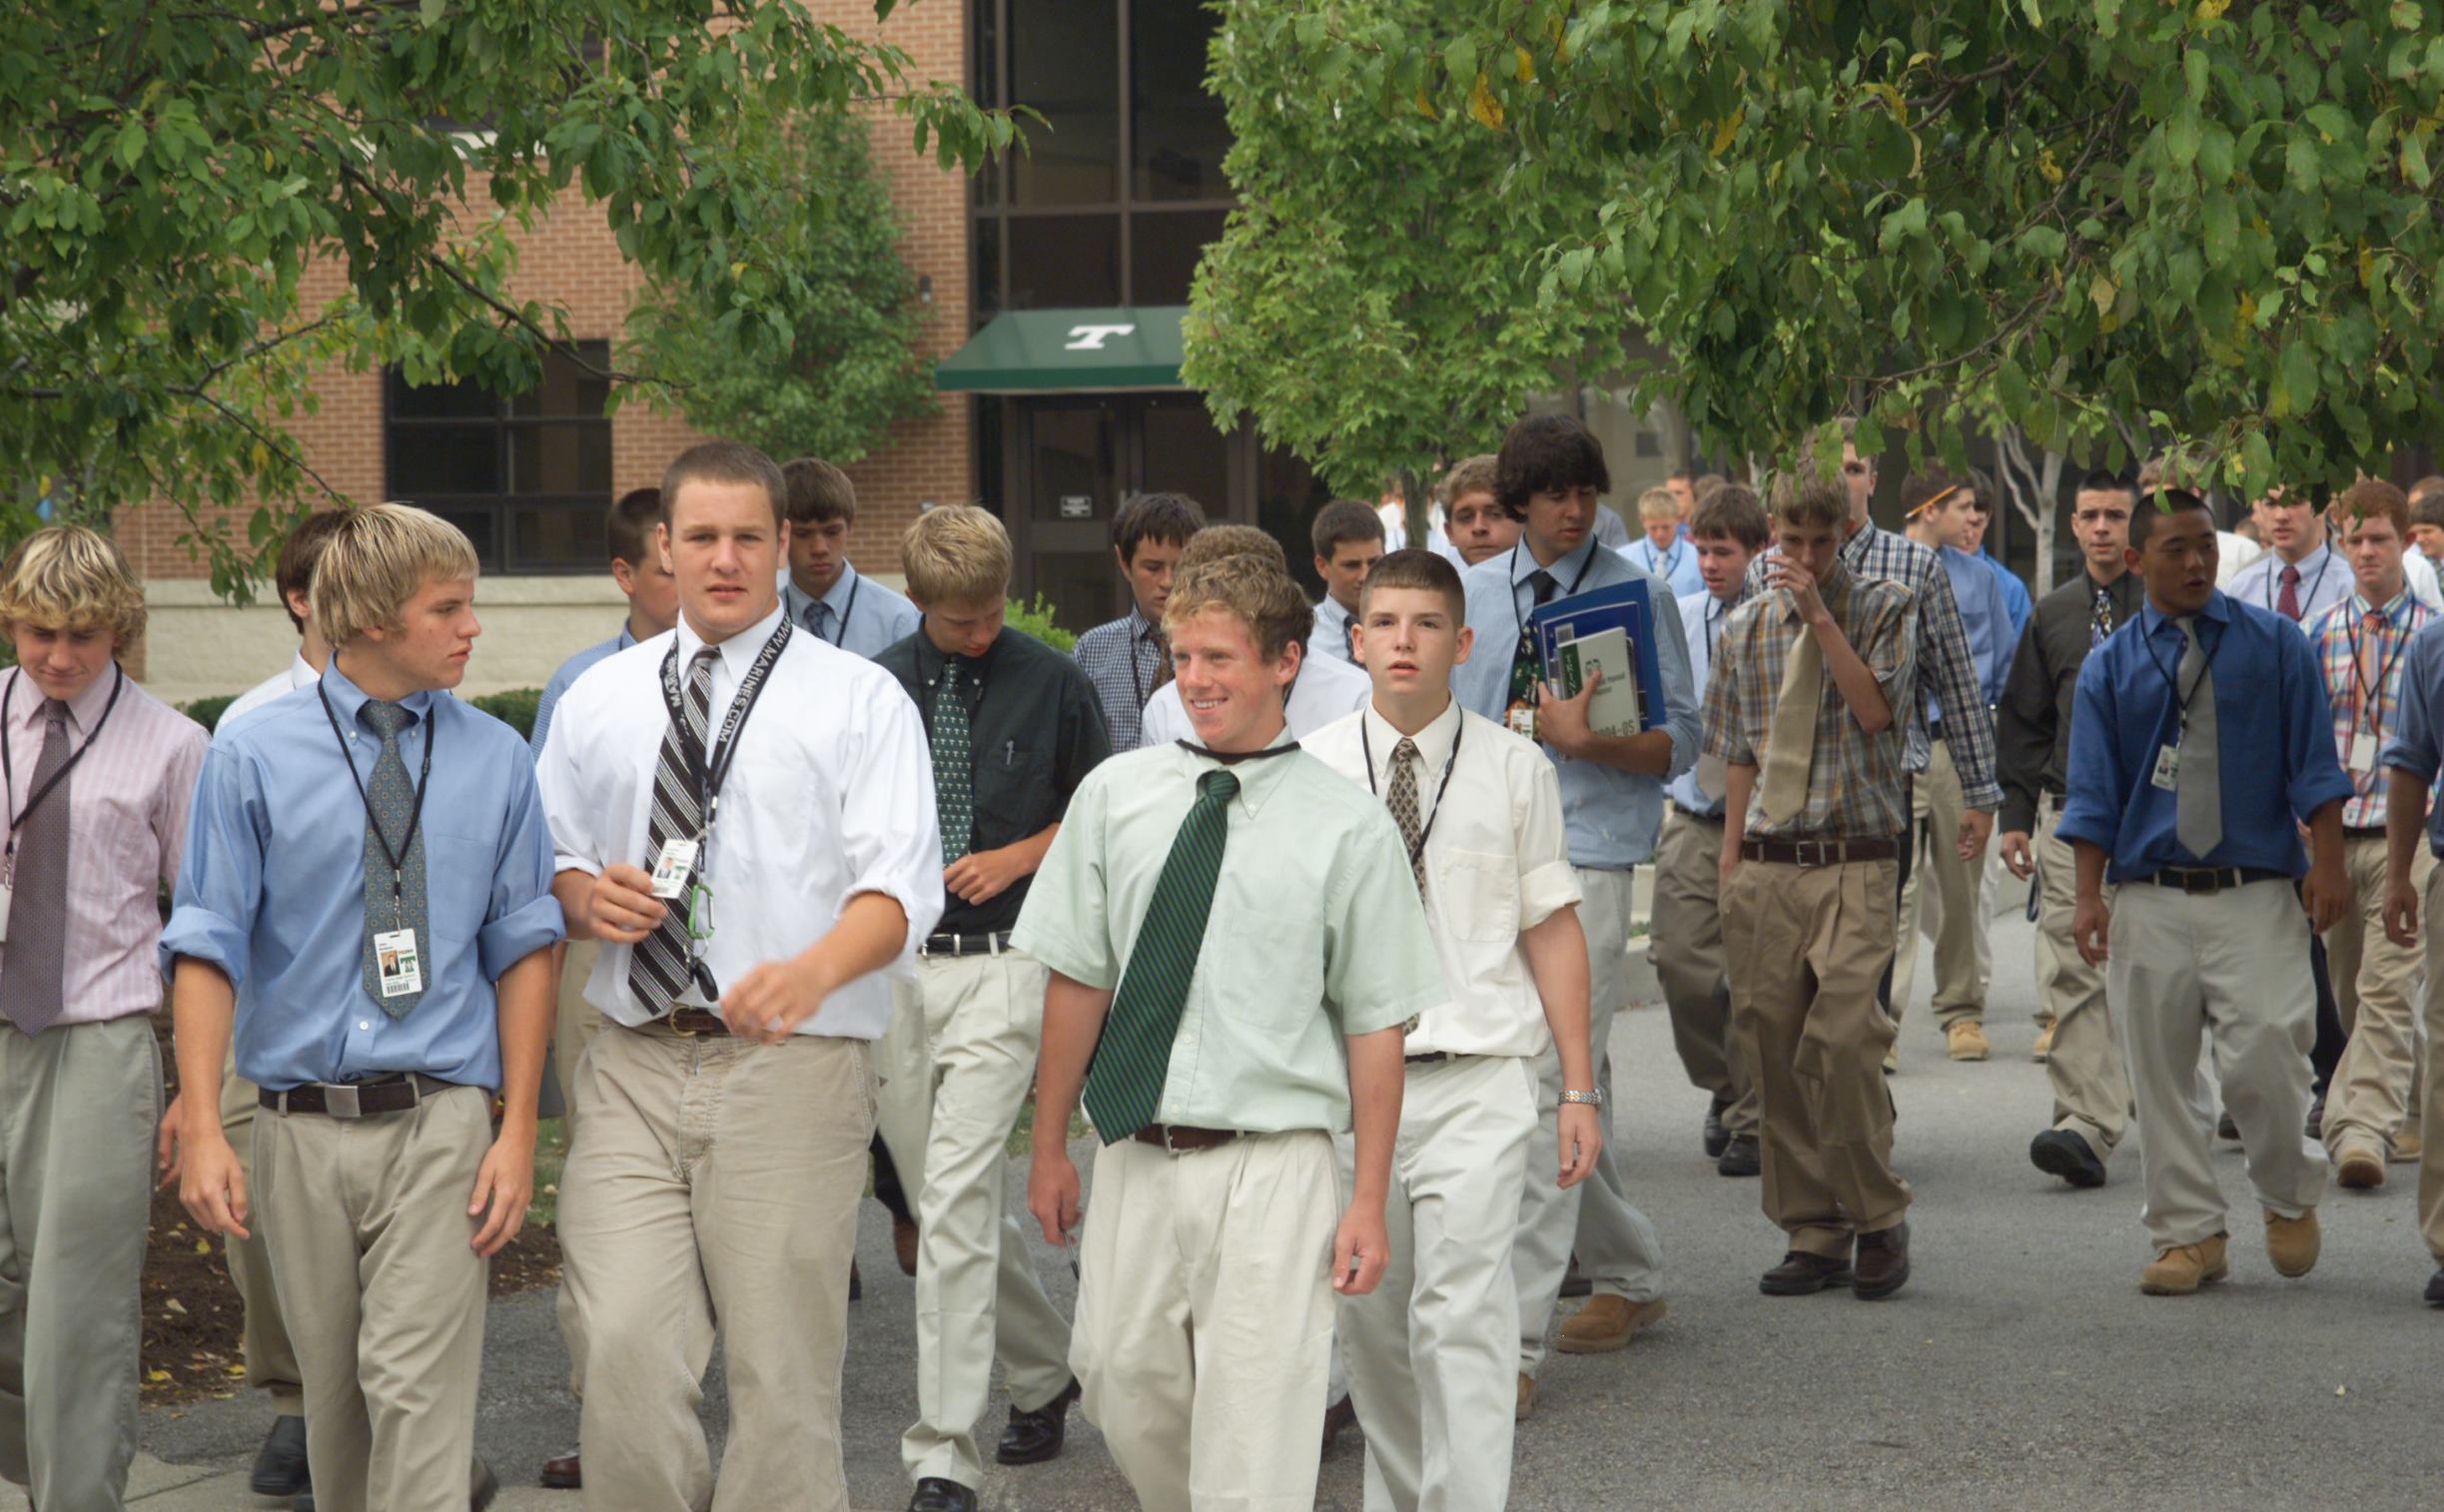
2021,1369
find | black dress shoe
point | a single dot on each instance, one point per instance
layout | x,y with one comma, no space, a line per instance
2225,1129
933,1494
1740,1156
1801,1273
857,1286
2059,1152
564,1472
1575,1284
2435,1288
1036,1434
280,1470
1716,1135
1882,1264
1338,1419
481,1486
2317,1117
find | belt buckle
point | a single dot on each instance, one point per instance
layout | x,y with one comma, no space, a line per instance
1807,849
671,1021
1175,1150
341,1102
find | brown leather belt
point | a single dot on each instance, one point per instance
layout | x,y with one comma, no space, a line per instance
1180,1140
685,1020
355,1099
1819,852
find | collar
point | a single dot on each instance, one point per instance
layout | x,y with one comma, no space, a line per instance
2219,609
1139,627
737,653
1862,540
624,639
1433,742
25,709
301,672
1331,609
930,661
2308,566
349,700
1564,567
842,586
2392,608
1257,780
2117,587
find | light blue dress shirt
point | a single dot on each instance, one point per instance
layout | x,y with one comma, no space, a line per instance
2416,745
571,671
1701,624
1986,617
1612,816
860,615
1330,636
1677,566
271,890
2015,594
2325,580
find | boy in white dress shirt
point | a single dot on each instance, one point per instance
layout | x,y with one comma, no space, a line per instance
1432,1351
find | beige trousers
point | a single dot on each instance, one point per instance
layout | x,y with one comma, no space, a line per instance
2376,986
1204,1319
2431,1089
2234,963
574,1025
1430,1353
383,1293
78,1105
1964,956
2092,1092
1617,1247
1685,943
271,1360
714,1180
950,1078
1806,947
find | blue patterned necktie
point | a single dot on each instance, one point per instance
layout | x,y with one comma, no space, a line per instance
818,617
954,782
392,902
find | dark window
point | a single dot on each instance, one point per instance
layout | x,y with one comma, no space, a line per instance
1065,64
528,478
1177,133
1060,262
1163,252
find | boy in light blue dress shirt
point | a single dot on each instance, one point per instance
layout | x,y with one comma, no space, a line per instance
822,591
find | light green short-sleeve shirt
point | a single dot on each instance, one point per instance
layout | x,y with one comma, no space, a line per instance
1317,931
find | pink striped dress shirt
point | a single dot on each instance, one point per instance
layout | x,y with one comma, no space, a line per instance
127,821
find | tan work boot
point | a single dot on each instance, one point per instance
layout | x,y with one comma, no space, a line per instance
2043,1050
1606,1323
1964,1038
1891,1058
1527,1399
2293,1243
2183,1268
2360,1165
2408,1146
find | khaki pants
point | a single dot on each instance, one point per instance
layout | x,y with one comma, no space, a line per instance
78,1105
2236,962
1685,943
1616,1245
1430,1353
2376,986
2091,1093
1964,957
1807,946
383,1293
951,1077
574,1025
271,1360
2431,1089
715,1179
1204,1319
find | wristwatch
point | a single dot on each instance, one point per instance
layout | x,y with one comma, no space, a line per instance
1593,1098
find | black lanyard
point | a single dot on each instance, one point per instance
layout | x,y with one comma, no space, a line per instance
8,765
2274,589
2181,701
415,818
1520,619
1367,744
712,769
2371,696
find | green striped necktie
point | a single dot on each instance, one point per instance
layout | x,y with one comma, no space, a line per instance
1125,1082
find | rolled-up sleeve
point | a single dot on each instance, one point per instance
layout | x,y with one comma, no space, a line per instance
2313,773
1380,966
890,840
1547,882
522,916
220,872
1066,921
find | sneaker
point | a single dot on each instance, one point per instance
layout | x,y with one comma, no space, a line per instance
1964,1040
2183,1268
2360,1165
2043,1050
2293,1243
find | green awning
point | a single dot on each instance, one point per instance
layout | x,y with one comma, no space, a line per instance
1069,352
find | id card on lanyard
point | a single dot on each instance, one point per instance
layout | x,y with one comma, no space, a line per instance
398,965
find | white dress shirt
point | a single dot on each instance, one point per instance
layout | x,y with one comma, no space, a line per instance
2232,553
298,674
1497,862
832,795
1326,690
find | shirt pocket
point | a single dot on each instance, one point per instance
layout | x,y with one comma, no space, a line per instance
1013,782
1480,895
1268,966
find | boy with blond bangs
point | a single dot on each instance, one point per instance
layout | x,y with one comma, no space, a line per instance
1013,727
378,1019
1216,1076
1322,690
1474,521
1433,1351
1664,549
100,774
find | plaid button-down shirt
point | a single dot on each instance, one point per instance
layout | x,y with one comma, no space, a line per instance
1854,778
2359,649
1123,659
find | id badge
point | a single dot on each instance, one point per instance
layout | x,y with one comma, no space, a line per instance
395,964
672,868
2168,767
1522,720
2363,751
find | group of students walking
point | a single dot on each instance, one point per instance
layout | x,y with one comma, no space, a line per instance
1319,913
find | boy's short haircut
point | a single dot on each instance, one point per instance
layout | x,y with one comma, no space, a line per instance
1215,543
2427,506
819,492
1730,511
1548,454
2426,487
1474,474
2373,498
70,577
1929,489
2106,481
1708,484
298,554
377,561
1168,518
1343,520
629,532
725,462
1981,485
956,557
2160,505
1658,503
1260,595
1809,502
1683,475
1426,571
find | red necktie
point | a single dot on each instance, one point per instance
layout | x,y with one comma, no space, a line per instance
2290,603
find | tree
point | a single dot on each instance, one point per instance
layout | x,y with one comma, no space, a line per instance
2034,486
169,182
2216,222
850,366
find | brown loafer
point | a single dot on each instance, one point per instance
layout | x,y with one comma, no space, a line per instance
1527,1399
1804,1275
904,1244
1882,1265
562,1472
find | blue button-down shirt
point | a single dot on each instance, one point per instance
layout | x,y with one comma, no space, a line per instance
1986,615
2418,722
271,890
1677,566
1701,624
1612,816
2015,594
2274,742
570,670
858,614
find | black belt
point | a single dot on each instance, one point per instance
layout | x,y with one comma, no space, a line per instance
966,945
2363,832
1689,813
355,1099
1935,732
1180,1140
1431,1058
2210,879
1832,852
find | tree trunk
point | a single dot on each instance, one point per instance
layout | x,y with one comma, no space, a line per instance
1417,500
2034,487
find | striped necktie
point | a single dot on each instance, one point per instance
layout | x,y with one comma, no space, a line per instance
1124,1087
659,966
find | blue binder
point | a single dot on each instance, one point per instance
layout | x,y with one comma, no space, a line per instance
1629,605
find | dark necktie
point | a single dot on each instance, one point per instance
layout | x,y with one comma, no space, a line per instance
1124,1087
659,967
1523,658
1163,655
954,781
2290,603
2100,619
33,964
818,618
1401,798
393,900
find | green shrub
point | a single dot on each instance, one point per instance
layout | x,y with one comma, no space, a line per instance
1035,619
208,711
515,708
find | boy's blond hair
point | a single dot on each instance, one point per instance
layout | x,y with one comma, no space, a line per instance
1215,542
1802,498
70,577
956,557
1658,503
377,561
1254,591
